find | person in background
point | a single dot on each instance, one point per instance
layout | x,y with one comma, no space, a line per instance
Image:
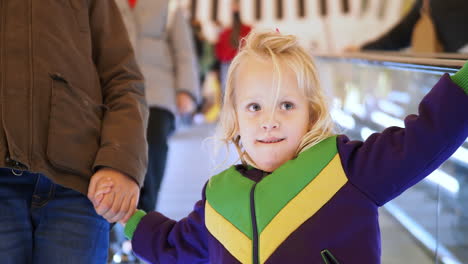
207,64
162,39
448,17
302,193
204,50
73,118
228,42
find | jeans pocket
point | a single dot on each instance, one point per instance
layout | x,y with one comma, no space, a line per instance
74,128
73,232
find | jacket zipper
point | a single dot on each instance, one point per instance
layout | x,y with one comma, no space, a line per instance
31,84
254,224
328,257
2,75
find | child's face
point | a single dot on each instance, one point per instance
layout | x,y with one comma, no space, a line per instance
271,128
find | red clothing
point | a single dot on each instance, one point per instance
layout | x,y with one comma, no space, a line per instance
225,52
132,3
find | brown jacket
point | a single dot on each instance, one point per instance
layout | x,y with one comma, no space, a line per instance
71,95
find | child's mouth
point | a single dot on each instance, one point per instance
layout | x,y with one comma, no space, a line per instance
270,140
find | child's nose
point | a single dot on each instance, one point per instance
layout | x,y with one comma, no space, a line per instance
270,124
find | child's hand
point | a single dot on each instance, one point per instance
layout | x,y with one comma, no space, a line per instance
104,187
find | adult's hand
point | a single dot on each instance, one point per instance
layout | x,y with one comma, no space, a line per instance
185,103
121,201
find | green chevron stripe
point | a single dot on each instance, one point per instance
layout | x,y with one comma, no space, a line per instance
229,194
276,190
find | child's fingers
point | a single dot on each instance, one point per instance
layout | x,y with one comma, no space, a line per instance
103,185
103,191
106,182
98,199
106,204
103,188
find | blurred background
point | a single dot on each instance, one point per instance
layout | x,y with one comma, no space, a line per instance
322,25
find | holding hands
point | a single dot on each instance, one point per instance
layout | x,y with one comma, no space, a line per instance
113,194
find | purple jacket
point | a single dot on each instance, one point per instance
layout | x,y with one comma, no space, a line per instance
346,225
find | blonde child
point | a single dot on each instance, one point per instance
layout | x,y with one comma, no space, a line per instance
302,194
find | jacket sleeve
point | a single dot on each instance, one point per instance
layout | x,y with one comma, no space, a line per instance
399,36
388,163
184,58
123,141
159,239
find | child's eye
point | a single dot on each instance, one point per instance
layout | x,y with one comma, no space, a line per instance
287,106
254,107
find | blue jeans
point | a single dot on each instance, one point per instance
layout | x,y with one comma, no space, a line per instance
42,222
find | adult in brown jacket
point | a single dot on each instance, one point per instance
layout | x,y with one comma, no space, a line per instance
73,114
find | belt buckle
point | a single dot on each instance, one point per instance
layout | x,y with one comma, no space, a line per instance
16,170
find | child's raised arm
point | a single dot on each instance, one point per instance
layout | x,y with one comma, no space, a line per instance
390,162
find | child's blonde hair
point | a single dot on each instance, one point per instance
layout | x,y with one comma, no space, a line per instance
281,50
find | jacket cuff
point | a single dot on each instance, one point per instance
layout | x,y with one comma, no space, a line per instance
113,157
460,78
132,223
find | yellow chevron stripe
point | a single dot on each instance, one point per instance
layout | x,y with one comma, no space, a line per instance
302,207
236,242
